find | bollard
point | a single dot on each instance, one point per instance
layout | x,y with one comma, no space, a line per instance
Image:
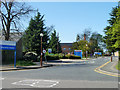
111,58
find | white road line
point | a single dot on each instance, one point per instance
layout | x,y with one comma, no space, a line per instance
2,78
37,83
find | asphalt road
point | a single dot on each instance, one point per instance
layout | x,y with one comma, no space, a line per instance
76,75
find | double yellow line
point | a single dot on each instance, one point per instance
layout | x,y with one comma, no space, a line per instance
105,72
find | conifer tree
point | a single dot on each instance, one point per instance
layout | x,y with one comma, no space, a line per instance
32,39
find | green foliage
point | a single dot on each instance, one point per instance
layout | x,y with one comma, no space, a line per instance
54,43
81,45
112,38
52,57
32,39
70,57
30,57
61,56
96,42
24,63
118,66
93,40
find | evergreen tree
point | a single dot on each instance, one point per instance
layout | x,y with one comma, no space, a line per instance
32,39
112,37
54,43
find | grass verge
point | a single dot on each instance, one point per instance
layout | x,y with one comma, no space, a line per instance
118,66
24,63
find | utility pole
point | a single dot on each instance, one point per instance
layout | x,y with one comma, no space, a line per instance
86,51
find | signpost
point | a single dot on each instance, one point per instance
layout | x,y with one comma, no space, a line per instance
98,53
78,53
9,45
49,50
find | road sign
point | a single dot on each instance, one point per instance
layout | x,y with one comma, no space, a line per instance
44,51
50,50
9,45
78,53
97,53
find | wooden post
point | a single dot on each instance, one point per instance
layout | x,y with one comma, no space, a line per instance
111,58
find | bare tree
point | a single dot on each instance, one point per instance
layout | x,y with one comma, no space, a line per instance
11,14
87,33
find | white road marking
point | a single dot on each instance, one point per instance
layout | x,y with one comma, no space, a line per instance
2,78
118,82
37,83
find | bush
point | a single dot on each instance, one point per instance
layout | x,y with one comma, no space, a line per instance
64,57
74,57
30,57
49,57
71,57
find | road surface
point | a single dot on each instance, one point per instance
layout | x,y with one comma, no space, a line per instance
76,75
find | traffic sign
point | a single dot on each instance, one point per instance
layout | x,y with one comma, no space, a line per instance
50,50
44,51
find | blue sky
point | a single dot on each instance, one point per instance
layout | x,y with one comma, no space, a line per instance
71,18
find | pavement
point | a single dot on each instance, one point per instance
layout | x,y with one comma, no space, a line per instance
107,68
48,64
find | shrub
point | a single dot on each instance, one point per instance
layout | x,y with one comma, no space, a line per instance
49,57
64,57
71,57
30,57
74,57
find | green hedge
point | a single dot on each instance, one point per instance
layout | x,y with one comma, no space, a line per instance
57,57
74,57
71,57
52,57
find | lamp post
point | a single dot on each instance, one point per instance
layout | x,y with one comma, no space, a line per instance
41,35
86,51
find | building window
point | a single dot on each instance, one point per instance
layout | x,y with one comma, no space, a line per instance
64,48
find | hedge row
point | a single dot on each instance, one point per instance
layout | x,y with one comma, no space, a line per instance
52,57
49,57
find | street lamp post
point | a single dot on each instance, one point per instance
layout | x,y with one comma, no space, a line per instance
86,51
41,35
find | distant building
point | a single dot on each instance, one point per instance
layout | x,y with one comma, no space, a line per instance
66,47
116,53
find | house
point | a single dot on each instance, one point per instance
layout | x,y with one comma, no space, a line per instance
66,47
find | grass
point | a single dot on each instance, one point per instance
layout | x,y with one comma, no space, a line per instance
118,66
24,63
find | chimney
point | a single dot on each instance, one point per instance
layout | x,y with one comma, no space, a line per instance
84,36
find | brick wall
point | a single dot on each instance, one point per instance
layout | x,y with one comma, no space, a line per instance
66,47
